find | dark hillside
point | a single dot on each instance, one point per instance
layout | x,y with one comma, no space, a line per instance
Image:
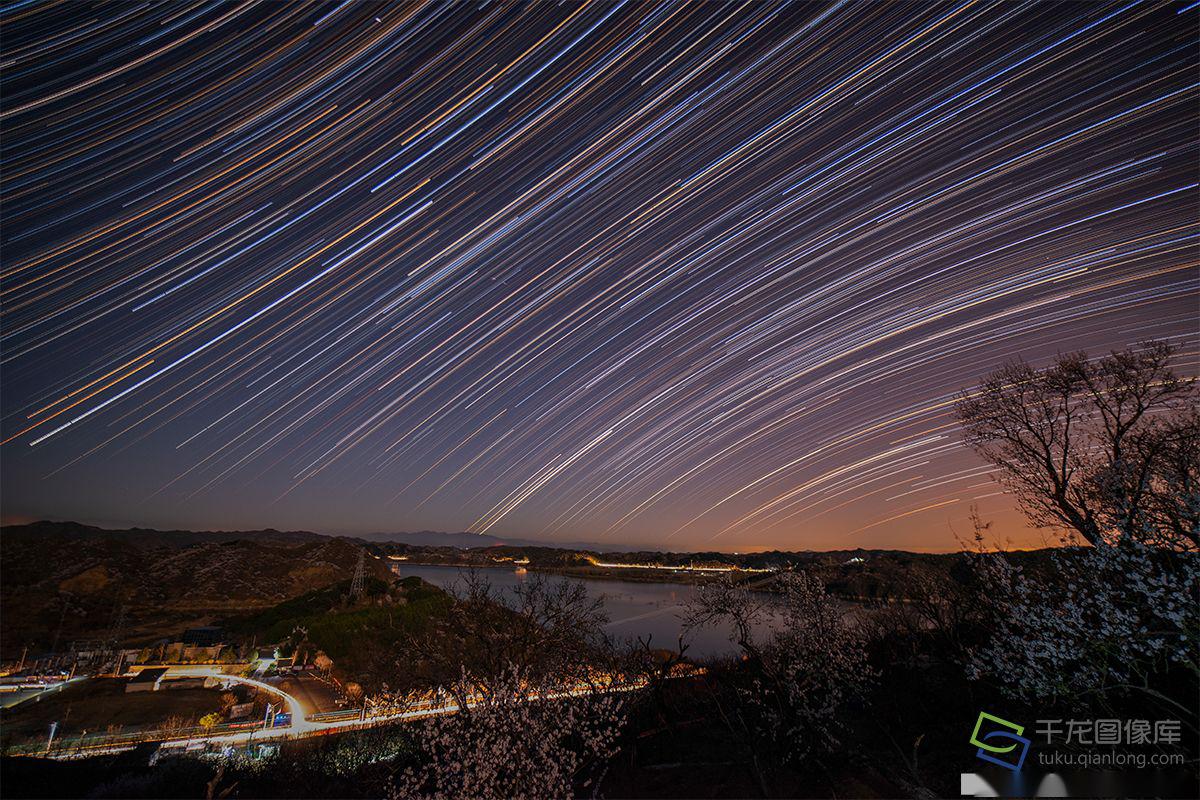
82,577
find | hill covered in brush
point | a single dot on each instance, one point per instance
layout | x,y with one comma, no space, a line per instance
78,578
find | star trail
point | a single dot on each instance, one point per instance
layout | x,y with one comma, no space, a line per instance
692,275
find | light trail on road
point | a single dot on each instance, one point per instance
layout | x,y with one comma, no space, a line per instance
302,725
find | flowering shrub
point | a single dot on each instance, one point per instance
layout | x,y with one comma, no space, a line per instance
512,743
526,672
1107,616
808,669
818,664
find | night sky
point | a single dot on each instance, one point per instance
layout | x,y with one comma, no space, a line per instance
690,275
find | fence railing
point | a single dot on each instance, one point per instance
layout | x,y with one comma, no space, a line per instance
106,741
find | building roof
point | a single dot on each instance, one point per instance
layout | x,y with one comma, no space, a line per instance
149,675
207,635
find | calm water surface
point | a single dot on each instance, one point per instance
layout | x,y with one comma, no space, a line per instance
634,609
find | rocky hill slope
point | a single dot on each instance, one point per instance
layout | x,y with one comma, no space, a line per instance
54,574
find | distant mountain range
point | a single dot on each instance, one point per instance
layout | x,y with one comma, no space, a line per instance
462,540
74,531
469,540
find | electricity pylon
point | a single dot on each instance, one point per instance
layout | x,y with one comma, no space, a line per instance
356,585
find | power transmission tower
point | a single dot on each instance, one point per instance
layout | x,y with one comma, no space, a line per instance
356,585
113,643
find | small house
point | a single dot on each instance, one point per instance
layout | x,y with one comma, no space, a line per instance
146,680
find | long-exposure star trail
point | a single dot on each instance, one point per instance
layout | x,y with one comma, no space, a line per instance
692,275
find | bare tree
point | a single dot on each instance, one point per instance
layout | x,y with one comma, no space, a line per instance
729,601
1162,480
806,662
1106,448
543,629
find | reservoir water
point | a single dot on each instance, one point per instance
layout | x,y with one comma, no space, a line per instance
634,608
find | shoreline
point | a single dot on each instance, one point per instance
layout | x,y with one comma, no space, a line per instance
629,575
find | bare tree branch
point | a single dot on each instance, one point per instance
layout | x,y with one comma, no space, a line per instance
1107,448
